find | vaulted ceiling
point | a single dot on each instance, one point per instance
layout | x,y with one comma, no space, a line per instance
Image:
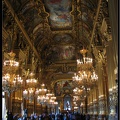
55,30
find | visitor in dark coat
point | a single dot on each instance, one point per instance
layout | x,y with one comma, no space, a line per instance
87,117
9,116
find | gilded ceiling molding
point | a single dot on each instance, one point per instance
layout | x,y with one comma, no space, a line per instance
106,17
21,27
95,22
27,6
4,34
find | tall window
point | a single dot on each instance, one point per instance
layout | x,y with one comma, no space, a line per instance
4,111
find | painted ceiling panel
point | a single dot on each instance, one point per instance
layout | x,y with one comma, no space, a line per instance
62,53
59,10
62,38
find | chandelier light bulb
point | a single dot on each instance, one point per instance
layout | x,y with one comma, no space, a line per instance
94,77
25,92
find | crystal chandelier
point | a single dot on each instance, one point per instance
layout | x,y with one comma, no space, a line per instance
10,81
31,81
10,65
85,63
86,74
77,95
51,102
75,102
94,77
46,97
85,78
77,91
31,91
42,98
75,98
42,90
49,94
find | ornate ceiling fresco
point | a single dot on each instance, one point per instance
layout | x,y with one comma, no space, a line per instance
59,13
55,30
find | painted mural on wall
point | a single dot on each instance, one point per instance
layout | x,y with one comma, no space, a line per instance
63,87
59,13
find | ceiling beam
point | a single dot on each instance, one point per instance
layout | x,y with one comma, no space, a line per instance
95,22
21,27
4,33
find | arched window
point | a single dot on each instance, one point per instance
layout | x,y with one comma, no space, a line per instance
67,102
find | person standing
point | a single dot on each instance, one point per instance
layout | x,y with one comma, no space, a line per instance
10,115
87,117
35,116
